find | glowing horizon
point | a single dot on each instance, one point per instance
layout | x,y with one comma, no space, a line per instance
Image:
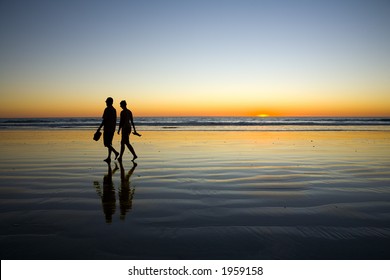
195,58
59,108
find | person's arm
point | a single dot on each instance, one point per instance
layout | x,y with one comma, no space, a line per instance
132,121
103,117
101,125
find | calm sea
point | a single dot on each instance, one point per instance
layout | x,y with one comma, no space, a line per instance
209,123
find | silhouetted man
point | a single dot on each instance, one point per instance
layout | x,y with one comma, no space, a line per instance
109,124
107,194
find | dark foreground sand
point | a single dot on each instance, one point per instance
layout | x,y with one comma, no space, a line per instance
196,195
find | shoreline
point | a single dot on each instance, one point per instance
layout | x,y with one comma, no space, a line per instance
210,123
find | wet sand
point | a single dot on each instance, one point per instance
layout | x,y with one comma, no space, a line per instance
196,195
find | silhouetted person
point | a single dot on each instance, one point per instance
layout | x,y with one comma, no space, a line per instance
109,124
108,194
126,192
125,123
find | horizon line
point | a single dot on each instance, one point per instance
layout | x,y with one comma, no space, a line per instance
205,116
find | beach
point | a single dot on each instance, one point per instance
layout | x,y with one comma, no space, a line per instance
196,195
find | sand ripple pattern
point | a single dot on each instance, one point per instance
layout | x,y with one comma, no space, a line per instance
209,195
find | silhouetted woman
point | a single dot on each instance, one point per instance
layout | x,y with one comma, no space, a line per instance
125,124
126,192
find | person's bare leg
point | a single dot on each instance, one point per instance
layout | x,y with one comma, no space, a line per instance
114,151
122,151
108,159
131,150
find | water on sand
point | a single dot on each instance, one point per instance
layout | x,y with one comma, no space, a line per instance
196,195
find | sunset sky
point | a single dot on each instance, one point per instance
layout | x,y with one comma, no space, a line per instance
212,58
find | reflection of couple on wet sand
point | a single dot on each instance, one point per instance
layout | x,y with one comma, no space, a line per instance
125,124
125,192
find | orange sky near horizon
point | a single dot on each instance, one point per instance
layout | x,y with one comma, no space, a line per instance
80,106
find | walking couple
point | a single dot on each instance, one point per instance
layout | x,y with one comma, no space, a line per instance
125,124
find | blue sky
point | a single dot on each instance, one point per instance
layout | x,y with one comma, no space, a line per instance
196,55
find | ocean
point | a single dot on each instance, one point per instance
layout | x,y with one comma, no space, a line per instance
211,123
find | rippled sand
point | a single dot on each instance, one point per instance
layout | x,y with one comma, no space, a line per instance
196,195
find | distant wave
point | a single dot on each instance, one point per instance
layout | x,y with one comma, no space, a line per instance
207,123
26,123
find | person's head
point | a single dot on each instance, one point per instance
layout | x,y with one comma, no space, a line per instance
123,103
109,101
